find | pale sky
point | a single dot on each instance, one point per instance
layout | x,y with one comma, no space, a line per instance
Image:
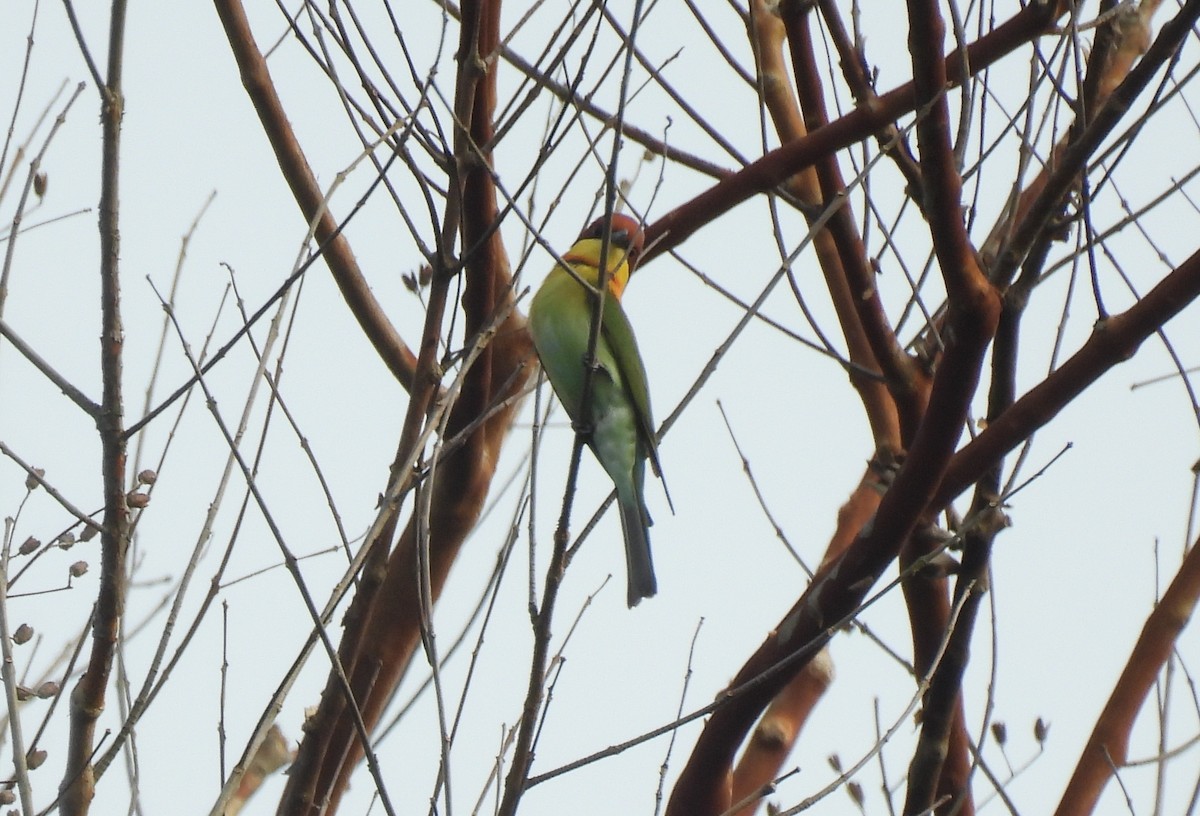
1073,579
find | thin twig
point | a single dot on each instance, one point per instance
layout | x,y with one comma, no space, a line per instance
68,389
8,673
291,563
83,48
34,166
33,473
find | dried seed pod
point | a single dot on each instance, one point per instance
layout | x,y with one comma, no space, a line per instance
1041,729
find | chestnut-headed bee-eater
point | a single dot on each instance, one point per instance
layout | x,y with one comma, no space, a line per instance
616,419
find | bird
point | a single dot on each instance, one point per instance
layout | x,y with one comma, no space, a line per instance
616,420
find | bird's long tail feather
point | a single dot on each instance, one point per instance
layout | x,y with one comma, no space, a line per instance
642,583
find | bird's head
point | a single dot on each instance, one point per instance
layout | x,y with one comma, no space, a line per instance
625,241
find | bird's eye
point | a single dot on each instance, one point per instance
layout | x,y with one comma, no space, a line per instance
621,238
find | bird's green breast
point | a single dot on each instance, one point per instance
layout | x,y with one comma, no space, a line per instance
560,321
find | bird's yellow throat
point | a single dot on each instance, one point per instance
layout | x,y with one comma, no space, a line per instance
584,257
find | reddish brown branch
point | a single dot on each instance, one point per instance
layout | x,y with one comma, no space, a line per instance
943,185
772,169
942,762
943,742
1113,341
974,299
767,31
384,623
838,589
854,70
939,771
1108,745
77,788
775,735
294,167
272,755
332,731
1072,160
773,739
777,732
855,281
941,765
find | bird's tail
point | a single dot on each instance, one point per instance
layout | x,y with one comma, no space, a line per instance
640,567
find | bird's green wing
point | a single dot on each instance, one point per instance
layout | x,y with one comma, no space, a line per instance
618,335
